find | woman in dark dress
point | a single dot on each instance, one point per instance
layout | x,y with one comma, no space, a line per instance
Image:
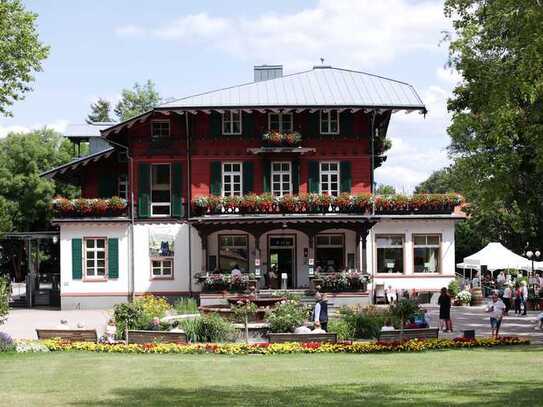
444,302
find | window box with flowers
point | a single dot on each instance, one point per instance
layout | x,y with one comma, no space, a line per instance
89,208
274,138
341,282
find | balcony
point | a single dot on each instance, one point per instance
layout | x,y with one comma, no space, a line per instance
361,204
89,208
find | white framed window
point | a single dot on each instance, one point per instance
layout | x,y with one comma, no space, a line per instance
329,122
160,190
95,258
232,179
160,129
426,253
281,177
390,253
233,251
122,186
231,122
329,173
281,122
162,267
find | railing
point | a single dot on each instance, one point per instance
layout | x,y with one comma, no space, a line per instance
89,208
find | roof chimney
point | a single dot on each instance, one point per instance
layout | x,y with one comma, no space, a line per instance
265,72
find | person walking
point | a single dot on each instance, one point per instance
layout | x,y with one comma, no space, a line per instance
444,302
524,297
507,295
518,299
496,310
320,312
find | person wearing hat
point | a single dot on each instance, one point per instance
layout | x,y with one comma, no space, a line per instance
320,312
507,295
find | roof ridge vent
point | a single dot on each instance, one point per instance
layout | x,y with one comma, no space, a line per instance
322,67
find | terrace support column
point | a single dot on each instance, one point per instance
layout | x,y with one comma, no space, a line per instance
203,237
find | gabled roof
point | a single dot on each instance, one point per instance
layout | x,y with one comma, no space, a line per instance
82,161
323,86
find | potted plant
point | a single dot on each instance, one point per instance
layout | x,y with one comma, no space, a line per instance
404,310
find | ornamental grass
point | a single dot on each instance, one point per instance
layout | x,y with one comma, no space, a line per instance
413,345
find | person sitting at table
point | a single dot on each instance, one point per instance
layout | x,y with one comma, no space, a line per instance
155,324
235,272
387,326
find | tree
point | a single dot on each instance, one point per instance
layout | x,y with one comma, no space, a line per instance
441,182
4,299
100,112
139,99
383,189
404,310
497,124
25,194
21,53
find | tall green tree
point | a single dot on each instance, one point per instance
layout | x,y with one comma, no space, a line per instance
384,189
100,112
21,53
497,125
139,99
24,195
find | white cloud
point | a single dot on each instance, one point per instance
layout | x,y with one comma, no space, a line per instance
448,75
58,125
348,32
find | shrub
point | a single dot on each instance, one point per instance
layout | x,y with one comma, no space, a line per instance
127,316
208,328
404,310
6,343
4,299
341,328
186,305
287,316
454,288
153,306
364,323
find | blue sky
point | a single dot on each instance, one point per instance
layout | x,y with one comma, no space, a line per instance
100,47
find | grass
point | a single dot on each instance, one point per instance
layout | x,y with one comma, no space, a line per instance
482,377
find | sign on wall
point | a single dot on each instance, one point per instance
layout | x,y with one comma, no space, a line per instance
161,242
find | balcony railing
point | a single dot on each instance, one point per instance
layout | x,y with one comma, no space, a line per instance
89,208
322,203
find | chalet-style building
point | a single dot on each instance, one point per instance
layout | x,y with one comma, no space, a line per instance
275,173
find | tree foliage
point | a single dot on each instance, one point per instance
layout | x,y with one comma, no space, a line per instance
384,189
139,99
497,124
24,195
100,112
21,52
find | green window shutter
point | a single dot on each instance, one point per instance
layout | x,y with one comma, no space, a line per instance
345,177
77,259
177,195
215,124
248,176
266,170
144,190
107,186
313,124
215,184
113,258
313,177
346,124
248,125
295,177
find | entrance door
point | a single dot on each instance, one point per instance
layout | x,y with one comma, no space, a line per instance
281,255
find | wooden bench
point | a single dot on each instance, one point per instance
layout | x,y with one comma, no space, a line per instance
73,335
289,337
418,333
141,337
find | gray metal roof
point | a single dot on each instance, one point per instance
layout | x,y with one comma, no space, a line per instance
323,86
86,130
61,169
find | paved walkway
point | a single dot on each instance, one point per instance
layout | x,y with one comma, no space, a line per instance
476,318
22,323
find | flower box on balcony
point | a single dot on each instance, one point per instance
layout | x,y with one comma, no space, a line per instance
89,208
274,138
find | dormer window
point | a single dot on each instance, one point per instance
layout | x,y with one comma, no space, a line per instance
329,122
231,122
281,122
160,129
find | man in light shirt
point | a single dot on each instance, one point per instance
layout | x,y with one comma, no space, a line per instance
496,311
507,295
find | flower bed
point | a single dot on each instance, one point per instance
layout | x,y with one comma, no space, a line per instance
275,138
220,282
323,203
414,345
343,281
84,208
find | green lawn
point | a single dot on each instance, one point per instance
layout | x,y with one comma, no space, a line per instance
506,376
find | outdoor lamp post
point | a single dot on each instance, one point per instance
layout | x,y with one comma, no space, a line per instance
532,256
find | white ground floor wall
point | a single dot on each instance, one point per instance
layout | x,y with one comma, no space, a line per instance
86,293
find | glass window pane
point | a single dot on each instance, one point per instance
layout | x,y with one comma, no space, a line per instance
432,240
419,240
90,243
389,260
100,243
